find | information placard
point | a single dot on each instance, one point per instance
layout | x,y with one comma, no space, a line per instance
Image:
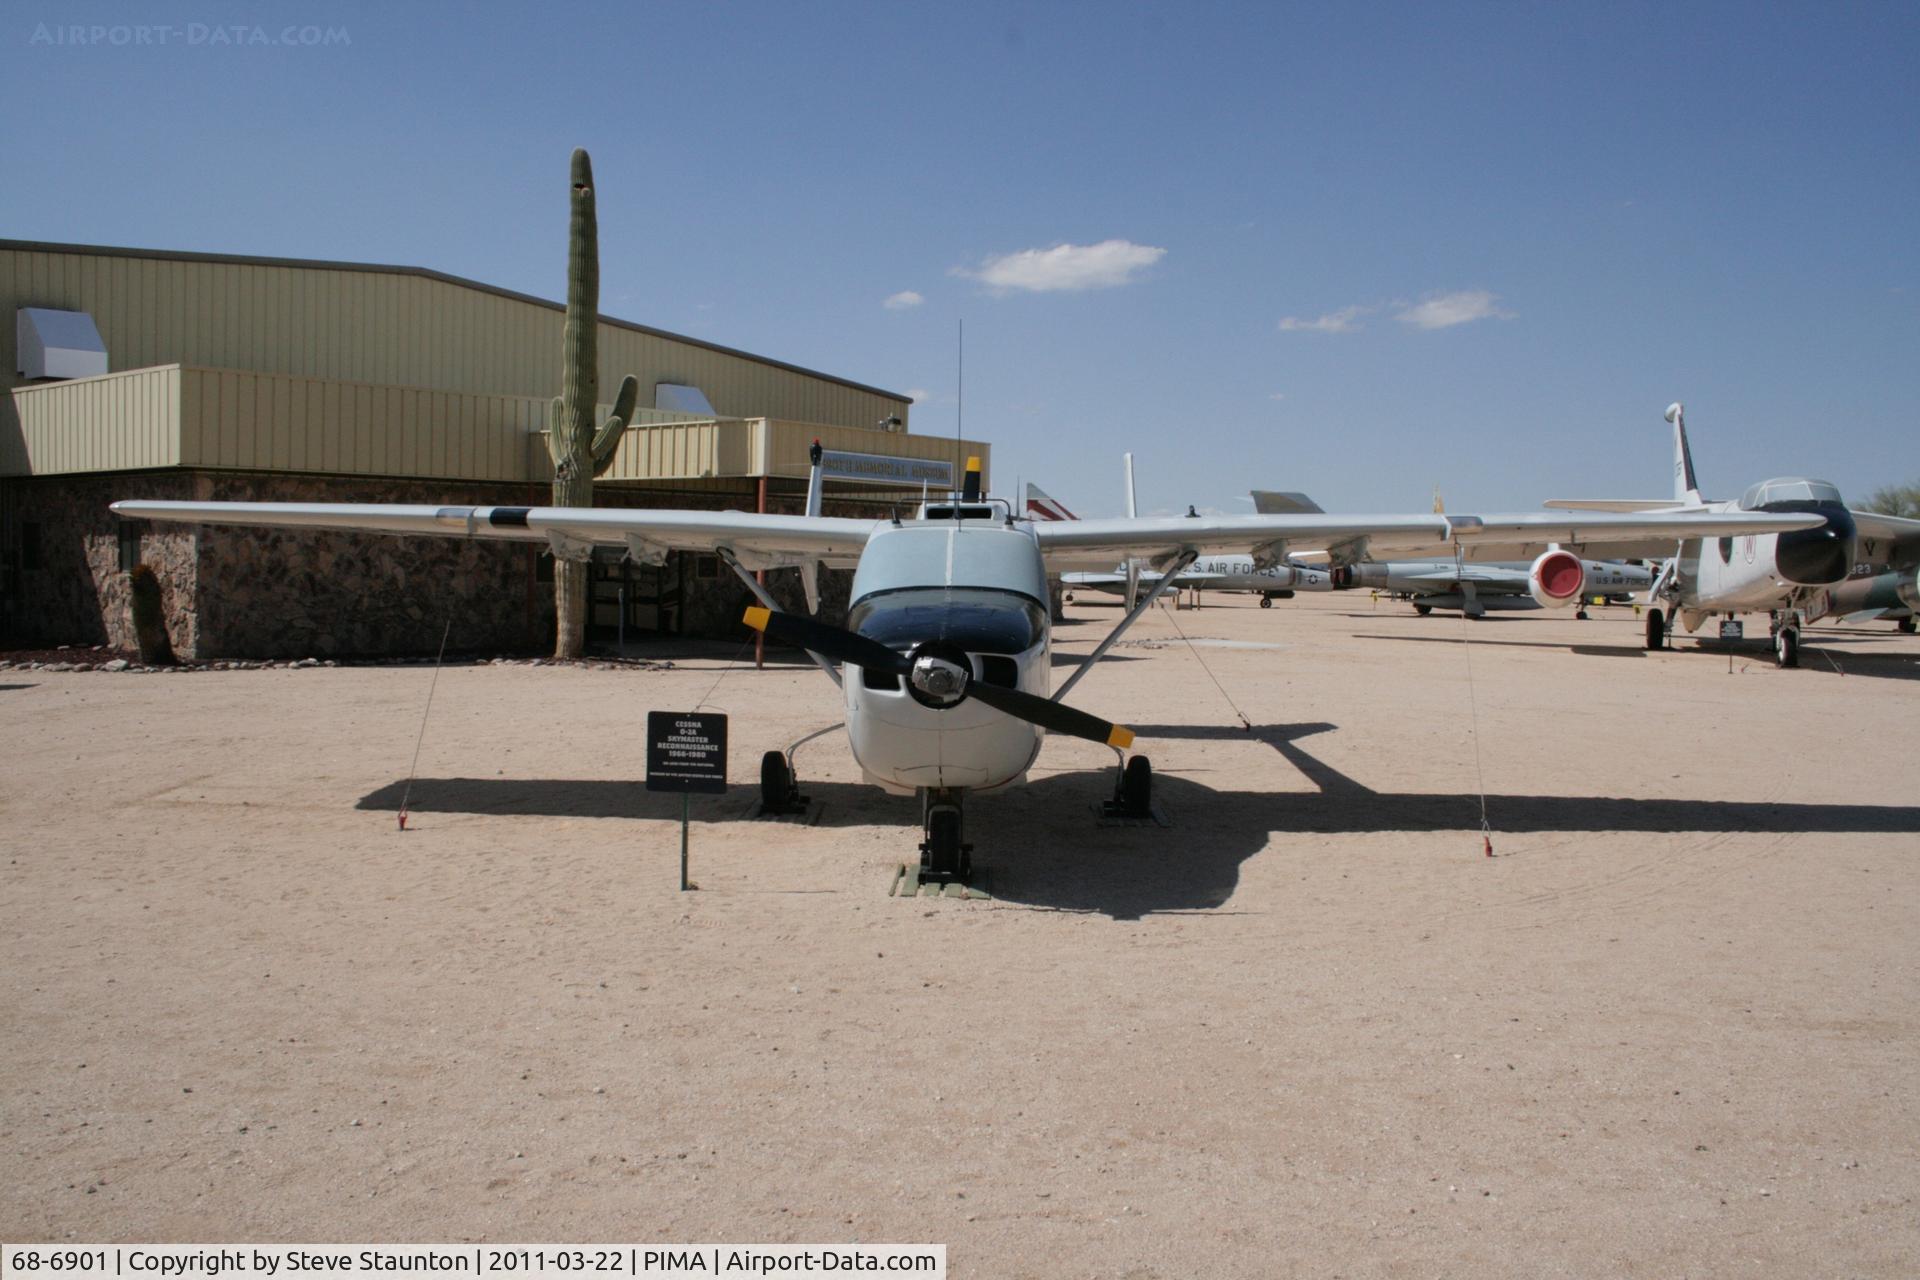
686,751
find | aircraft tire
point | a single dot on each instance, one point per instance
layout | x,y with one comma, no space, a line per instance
1656,629
1423,609
944,854
1266,602
1136,785
776,781
1905,625
1786,647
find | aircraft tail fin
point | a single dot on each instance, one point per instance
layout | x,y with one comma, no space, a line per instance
1266,502
1685,487
1042,505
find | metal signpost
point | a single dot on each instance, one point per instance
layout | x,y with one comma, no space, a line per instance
686,752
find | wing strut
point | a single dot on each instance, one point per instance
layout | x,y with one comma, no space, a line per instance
760,594
1167,575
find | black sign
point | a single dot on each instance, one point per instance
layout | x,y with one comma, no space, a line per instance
686,751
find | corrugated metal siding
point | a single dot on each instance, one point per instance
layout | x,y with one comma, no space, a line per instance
269,422
386,328
122,421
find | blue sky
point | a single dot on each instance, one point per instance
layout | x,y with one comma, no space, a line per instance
1360,251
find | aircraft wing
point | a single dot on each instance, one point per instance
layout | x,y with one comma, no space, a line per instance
1897,538
759,541
1616,504
1097,543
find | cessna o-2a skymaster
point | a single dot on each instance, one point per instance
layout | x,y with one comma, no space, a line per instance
946,654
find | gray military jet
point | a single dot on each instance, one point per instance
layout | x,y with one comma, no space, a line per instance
1553,580
1791,576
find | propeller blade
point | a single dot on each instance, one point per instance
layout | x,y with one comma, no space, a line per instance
1051,716
833,642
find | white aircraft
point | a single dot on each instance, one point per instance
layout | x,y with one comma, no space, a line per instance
946,650
1473,587
1789,575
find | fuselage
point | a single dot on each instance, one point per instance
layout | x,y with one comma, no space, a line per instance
1418,578
1769,571
971,592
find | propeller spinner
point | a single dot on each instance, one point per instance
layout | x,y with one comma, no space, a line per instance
941,681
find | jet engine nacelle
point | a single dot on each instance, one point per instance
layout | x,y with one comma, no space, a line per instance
1557,579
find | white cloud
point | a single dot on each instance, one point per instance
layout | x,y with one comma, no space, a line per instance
1278,395
1341,321
1066,267
1445,310
919,395
902,300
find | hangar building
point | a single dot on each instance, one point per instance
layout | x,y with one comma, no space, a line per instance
146,374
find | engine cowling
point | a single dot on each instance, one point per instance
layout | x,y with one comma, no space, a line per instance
1557,579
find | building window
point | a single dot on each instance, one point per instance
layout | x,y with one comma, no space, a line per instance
29,546
129,544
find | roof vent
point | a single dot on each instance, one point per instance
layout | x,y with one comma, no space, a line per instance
677,398
58,344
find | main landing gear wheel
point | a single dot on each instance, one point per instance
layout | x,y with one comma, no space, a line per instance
1423,609
1656,629
1905,625
1133,794
779,790
1266,602
1786,647
1580,614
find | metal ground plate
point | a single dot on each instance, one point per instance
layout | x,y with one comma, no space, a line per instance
1104,818
907,884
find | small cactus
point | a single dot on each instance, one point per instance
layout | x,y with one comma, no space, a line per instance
580,449
149,618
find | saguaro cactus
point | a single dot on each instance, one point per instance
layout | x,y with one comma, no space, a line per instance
581,450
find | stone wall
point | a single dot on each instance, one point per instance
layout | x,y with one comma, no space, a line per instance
235,592
296,593
78,594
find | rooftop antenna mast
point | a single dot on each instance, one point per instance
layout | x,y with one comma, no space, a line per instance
959,408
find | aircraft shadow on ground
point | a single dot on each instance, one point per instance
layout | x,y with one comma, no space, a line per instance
1045,849
9,688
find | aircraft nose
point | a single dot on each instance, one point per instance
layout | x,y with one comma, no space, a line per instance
1818,556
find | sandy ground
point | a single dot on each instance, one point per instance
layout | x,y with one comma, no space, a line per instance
1672,1028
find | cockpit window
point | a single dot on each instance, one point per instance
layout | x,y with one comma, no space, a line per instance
1768,493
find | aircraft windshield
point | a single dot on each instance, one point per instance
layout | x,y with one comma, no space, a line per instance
973,619
1768,493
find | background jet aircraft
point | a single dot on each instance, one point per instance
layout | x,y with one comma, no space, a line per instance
946,650
1554,580
1790,576
1889,597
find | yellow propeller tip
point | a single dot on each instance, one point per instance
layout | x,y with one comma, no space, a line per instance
1121,737
758,616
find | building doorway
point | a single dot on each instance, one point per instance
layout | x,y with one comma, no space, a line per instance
632,601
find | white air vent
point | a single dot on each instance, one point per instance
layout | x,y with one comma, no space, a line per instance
57,344
678,398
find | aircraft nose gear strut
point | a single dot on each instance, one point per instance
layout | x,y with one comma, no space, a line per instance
946,859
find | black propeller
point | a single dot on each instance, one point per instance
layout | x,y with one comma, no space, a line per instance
850,646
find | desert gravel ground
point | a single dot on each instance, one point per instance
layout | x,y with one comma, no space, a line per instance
1671,1028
